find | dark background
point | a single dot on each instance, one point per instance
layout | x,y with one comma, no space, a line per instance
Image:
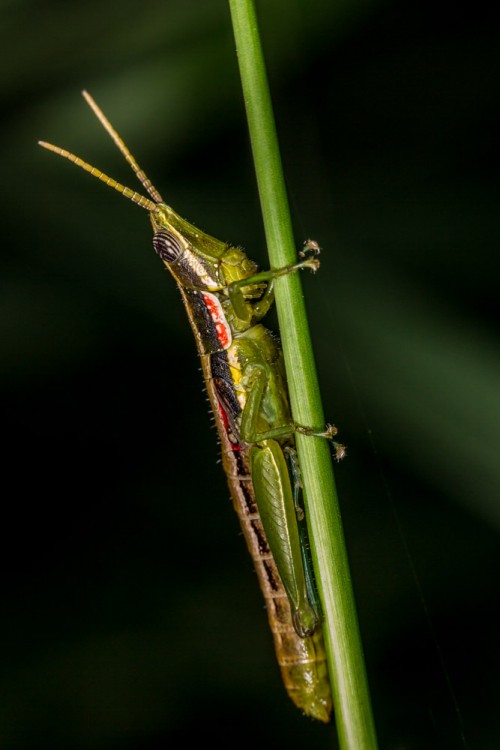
131,617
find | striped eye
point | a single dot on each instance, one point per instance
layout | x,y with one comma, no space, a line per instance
167,246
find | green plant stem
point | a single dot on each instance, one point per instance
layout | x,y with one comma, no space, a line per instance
345,657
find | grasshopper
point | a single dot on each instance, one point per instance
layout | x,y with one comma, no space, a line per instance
226,296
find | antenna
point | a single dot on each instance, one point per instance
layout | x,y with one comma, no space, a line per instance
141,176
141,200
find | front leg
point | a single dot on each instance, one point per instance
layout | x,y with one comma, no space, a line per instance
236,289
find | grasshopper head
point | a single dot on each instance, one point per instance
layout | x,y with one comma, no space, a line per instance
193,257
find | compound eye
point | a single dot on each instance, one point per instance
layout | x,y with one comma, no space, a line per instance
167,246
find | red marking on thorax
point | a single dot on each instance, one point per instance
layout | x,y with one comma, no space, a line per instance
222,327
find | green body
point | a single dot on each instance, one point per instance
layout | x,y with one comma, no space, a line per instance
244,371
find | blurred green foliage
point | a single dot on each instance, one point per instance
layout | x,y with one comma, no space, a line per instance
131,616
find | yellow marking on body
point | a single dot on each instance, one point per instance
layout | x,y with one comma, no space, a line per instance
236,375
